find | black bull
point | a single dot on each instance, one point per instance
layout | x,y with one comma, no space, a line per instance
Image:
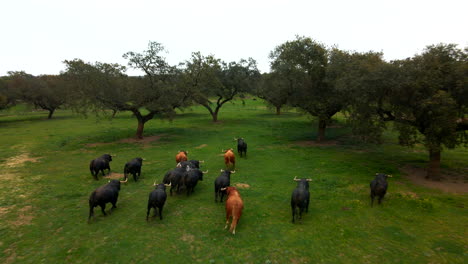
108,193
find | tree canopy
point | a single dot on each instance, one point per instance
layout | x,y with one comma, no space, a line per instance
309,68
425,96
213,82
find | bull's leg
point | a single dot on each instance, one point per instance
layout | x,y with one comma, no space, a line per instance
293,209
148,211
380,199
216,195
233,225
160,212
228,215
372,199
103,208
300,213
134,176
91,212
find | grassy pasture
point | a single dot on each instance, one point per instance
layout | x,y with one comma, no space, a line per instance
45,184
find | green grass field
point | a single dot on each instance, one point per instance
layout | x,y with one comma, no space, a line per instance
45,184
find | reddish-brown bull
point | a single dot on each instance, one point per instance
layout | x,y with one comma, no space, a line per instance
229,159
234,206
181,156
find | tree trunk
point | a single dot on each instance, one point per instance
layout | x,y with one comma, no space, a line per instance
321,130
215,116
278,110
433,172
141,126
51,112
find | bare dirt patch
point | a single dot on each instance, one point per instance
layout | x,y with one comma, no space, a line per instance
450,182
201,146
312,143
242,185
146,141
114,176
19,160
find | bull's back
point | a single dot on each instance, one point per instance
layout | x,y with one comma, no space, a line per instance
299,197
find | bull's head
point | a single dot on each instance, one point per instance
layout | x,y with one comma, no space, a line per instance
229,171
126,179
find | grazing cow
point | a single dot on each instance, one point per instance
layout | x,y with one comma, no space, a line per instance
378,187
100,164
191,179
300,197
133,167
176,177
234,206
181,156
194,164
223,180
105,194
156,199
229,158
241,146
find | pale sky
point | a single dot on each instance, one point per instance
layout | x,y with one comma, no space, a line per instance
38,35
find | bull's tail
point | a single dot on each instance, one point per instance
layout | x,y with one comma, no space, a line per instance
236,214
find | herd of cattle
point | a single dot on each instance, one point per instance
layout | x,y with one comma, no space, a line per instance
186,175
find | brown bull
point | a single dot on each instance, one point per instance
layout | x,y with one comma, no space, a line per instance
229,158
234,206
181,156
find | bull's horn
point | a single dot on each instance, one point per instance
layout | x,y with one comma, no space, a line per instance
205,171
376,173
390,176
222,150
178,165
309,179
186,152
233,171
125,180
154,184
222,170
168,185
231,149
235,139
143,159
201,161
108,181
296,179
223,189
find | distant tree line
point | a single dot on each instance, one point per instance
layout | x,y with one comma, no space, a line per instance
425,97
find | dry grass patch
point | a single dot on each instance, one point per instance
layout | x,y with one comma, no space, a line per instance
114,176
242,185
19,160
24,218
201,146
